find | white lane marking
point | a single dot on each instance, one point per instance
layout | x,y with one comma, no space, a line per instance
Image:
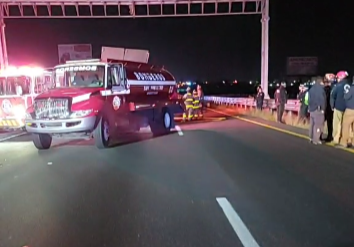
50,163
237,224
179,130
12,136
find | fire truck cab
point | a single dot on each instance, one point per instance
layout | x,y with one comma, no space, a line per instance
100,98
18,88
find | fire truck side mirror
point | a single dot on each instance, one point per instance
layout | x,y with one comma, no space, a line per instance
19,90
109,84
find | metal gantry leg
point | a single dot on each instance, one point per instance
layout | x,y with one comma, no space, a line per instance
265,47
3,42
3,47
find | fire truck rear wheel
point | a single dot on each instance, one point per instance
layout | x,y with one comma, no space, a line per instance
101,134
163,125
42,141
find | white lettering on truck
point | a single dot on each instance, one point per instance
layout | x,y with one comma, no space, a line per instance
149,76
153,88
77,68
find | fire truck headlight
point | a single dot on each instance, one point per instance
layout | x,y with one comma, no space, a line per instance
19,112
78,114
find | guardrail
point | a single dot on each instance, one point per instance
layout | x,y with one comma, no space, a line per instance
292,105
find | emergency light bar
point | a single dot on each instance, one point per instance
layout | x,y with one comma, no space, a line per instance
83,61
21,71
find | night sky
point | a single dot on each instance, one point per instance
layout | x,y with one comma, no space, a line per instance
203,48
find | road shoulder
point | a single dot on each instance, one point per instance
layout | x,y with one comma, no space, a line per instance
286,129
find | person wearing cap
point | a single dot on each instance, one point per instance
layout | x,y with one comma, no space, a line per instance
338,104
280,98
348,117
303,104
188,105
317,107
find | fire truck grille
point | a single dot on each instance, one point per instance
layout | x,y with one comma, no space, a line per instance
51,108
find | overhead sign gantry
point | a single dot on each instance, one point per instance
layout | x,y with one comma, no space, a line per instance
30,9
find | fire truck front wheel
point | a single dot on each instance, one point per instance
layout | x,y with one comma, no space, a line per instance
42,141
101,133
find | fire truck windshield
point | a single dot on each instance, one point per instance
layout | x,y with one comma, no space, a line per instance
80,76
14,85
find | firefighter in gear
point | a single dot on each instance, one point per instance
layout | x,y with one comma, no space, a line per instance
280,97
196,105
188,105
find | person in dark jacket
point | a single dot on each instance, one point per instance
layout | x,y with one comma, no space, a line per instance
348,117
280,98
338,104
328,111
259,98
303,106
317,106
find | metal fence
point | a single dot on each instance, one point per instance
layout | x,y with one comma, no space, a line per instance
292,105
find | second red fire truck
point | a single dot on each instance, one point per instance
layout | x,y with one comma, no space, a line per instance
18,88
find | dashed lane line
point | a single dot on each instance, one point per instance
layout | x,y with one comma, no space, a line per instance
237,224
179,130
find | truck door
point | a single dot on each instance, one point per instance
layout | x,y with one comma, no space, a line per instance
117,83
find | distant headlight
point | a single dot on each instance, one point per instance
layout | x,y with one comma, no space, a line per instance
78,114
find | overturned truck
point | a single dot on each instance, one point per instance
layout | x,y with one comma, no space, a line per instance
97,98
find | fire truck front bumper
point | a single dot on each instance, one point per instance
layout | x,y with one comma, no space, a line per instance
62,126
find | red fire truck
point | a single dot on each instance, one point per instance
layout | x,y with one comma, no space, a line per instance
18,88
100,98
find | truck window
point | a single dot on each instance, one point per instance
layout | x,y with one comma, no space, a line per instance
2,86
80,76
42,84
113,76
18,85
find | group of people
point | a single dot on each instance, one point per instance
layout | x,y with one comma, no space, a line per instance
193,104
330,102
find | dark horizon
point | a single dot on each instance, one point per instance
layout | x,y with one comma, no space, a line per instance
200,48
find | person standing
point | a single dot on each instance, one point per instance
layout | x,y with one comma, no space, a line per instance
328,111
259,98
338,104
280,98
348,117
188,105
303,104
196,105
317,106
201,98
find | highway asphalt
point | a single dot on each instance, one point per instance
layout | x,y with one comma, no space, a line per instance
218,183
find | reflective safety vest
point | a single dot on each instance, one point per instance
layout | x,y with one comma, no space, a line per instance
188,100
306,100
196,100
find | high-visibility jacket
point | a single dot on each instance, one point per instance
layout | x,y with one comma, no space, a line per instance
306,100
196,101
188,100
